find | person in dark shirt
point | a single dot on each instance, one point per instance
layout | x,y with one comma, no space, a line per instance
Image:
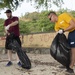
11,24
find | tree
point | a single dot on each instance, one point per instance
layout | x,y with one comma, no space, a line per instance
13,4
47,3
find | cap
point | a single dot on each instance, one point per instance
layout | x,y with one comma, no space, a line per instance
8,11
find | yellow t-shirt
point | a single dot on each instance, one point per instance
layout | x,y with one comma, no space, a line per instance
64,21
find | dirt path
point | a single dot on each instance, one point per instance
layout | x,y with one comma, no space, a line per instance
42,64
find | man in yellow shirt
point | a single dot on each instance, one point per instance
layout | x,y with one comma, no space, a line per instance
65,22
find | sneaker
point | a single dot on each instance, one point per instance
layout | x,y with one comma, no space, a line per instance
19,64
69,70
9,63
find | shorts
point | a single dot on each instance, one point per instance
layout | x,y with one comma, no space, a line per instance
8,42
71,39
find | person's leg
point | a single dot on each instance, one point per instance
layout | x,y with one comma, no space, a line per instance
18,61
9,52
72,61
72,58
9,55
17,58
71,41
19,42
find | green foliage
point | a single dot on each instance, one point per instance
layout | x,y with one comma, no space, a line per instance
47,3
35,22
12,4
72,13
1,27
23,27
38,22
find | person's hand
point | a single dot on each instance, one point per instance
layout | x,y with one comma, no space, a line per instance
6,33
61,31
7,27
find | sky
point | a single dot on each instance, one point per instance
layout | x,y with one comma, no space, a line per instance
27,7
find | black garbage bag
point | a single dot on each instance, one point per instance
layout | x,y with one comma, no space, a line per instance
22,55
60,49
26,63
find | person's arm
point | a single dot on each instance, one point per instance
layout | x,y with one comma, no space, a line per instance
5,31
13,23
71,26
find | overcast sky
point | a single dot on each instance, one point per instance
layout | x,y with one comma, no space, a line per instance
26,7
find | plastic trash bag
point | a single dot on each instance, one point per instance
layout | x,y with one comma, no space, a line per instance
60,49
26,63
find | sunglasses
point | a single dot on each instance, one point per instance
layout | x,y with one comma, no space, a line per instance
50,18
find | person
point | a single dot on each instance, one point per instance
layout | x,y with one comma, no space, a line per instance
11,24
63,23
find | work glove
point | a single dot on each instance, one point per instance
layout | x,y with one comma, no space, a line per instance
61,31
6,33
7,27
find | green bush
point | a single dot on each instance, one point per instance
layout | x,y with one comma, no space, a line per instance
37,22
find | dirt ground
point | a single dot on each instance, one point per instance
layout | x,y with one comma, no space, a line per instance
42,64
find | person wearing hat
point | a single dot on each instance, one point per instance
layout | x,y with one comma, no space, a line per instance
11,24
